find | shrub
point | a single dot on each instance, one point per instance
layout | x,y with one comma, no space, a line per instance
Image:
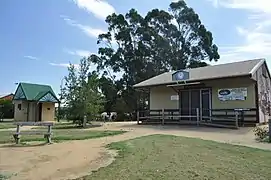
261,132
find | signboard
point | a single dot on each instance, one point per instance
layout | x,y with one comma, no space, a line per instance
174,97
233,94
180,76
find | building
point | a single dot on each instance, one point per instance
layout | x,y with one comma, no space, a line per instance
7,97
34,102
213,92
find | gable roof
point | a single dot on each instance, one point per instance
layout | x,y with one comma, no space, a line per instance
236,69
33,92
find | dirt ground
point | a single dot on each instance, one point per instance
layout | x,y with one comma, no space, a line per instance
72,159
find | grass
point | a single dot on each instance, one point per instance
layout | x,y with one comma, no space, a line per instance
59,135
164,157
7,125
67,125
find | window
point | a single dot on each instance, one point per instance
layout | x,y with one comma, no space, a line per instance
19,106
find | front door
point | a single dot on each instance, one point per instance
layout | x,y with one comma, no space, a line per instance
205,104
191,100
40,112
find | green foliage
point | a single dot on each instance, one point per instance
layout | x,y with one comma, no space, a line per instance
261,133
141,47
81,95
6,109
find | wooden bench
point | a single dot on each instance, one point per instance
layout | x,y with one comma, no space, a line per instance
47,135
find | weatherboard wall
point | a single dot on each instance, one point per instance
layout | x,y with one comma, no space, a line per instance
20,114
160,96
264,90
241,82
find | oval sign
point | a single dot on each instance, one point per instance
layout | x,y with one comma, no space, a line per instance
224,92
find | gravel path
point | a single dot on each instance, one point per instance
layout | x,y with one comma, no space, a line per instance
73,159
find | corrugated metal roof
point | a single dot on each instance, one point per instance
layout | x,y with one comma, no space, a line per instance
240,68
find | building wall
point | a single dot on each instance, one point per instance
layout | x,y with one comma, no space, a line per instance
20,114
233,83
160,98
48,111
264,96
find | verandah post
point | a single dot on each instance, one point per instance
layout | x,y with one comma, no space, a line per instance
269,124
236,119
163,116
137,116
197,116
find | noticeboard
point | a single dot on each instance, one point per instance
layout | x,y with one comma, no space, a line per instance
232,94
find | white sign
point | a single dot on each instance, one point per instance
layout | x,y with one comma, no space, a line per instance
174,97
232,94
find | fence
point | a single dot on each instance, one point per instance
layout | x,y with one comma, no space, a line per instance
229,118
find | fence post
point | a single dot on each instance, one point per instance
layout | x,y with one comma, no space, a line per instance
269,124
137,117
163,116
236,119
197,116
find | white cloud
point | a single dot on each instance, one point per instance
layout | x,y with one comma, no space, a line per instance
257,35
99,8
64,65
80,53
31,57
91,32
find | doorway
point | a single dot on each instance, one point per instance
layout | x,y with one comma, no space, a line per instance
192,99
39,111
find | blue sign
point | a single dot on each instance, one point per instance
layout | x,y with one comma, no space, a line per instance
180,76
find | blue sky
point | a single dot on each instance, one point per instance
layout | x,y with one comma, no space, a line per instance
39,38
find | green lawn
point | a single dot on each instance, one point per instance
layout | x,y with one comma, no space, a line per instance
169,157
7,125
59,135
66,125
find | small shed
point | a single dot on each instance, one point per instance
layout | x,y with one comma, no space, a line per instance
34,102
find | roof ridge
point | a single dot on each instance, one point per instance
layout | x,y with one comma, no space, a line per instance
35,84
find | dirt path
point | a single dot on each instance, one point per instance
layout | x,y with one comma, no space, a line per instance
73,159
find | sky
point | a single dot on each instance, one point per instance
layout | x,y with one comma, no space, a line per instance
39,39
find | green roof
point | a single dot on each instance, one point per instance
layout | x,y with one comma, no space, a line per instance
33,92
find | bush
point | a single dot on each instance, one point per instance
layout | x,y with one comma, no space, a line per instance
261,133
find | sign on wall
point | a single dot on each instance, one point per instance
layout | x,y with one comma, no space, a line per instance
233,94
174,97
180,76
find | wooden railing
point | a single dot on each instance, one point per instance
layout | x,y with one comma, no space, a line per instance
232,118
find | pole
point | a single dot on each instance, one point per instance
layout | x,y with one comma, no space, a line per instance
61,96
163,116
137,116
269,124
197,116
236,119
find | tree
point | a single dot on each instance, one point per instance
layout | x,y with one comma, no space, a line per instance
80,94
142,47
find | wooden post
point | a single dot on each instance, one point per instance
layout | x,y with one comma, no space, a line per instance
163,116
236,119
269,124
48,136
84,121
17,136
198,118
137,117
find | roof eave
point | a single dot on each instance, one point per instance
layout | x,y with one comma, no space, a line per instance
194,80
